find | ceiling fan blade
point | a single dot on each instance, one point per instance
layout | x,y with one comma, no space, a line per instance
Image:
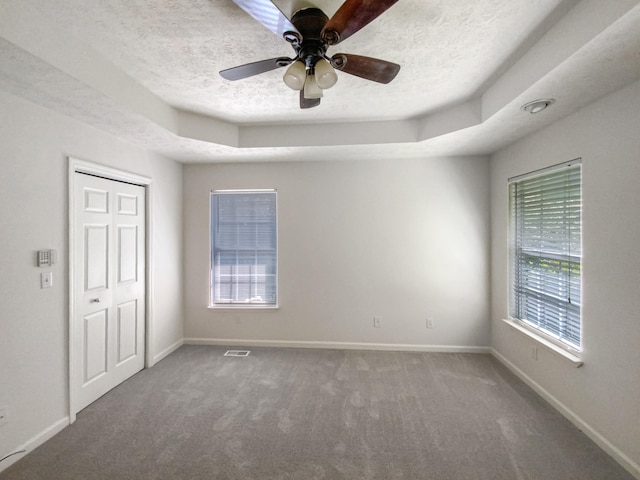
255,68
351,17
268,14
308,102
368,68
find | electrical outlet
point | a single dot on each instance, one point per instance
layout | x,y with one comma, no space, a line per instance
429,322
377,322
4,416
534,353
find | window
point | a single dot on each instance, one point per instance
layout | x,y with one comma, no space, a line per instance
244,253
546,252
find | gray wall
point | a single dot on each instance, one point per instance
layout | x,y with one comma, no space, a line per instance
400,239
604,394
34,213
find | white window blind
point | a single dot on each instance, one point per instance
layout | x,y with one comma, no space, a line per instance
546,232
244,247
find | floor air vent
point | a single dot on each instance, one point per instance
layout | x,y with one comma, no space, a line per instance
237,353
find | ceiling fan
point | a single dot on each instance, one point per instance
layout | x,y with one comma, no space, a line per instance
310,32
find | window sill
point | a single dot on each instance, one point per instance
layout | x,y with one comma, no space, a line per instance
242,306
552,347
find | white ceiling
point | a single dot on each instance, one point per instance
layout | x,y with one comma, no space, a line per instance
147,71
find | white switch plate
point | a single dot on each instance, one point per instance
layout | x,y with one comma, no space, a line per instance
46,280
377,322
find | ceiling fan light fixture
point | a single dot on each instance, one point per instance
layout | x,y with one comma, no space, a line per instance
295,76
326,76
311,88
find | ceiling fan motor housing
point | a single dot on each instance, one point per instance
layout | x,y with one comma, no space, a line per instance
312,47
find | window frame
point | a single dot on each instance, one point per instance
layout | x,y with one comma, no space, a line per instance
212,284
544,336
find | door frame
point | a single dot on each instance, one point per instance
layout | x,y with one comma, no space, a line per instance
81,166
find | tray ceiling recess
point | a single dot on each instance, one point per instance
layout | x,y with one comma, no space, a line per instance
148,72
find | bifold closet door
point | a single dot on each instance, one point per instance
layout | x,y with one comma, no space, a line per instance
109,285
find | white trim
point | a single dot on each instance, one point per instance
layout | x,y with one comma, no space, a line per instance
626,462
247,190
149,325
336,345
82,166
35,441
241,306
167,351
542,171
549,345
90,168
70,256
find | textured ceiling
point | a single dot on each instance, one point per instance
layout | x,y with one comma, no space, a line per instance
446,49
127,66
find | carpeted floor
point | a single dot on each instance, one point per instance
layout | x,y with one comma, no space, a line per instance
320,414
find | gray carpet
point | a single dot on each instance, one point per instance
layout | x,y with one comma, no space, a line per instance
320,414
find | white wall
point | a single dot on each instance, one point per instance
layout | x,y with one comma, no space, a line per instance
34,144
604,394
400,239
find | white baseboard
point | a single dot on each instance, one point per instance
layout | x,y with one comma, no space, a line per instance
167,351
34,442
632,467
336,345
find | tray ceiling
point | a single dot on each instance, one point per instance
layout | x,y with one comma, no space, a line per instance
148,71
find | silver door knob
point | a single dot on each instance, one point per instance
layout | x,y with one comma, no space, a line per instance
94,300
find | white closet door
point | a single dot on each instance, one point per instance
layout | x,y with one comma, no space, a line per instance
109,285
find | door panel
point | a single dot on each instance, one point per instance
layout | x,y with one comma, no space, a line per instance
127,330
96,257
95,347
127,204
96,200
109,279
127,253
